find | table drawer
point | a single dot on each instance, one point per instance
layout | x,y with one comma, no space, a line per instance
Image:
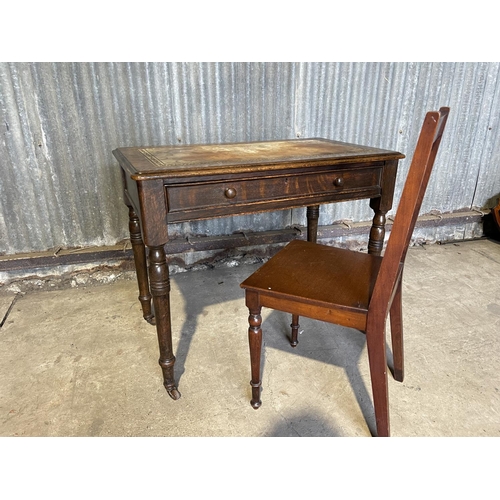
219,194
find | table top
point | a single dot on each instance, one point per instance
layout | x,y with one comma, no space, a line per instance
189,160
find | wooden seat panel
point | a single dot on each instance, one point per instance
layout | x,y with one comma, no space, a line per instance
318,275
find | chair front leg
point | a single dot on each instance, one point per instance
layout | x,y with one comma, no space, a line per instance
255,342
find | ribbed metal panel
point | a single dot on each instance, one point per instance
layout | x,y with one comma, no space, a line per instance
383,104
59,122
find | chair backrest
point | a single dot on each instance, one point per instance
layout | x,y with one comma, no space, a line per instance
409,207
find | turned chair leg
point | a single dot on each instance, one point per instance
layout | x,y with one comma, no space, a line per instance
375,340
255,342
295,330
396,316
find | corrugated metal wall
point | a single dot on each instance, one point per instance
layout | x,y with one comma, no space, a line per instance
59,122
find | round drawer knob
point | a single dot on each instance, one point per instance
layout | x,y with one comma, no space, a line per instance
230,193
339,182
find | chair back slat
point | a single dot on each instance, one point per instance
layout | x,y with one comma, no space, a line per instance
409,207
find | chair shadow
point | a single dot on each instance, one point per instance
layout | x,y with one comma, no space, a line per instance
323,342
303,424
327,343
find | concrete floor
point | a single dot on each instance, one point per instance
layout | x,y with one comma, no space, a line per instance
83,362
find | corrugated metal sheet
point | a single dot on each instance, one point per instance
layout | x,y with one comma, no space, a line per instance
59,122
383,104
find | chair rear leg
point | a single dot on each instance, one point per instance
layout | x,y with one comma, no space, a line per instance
295,330
396,316
375,340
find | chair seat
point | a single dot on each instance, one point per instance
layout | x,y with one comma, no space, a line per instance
319,275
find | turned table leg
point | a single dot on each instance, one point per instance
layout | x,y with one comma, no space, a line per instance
312,235
381,205
160,289
140,265
312,223
377,232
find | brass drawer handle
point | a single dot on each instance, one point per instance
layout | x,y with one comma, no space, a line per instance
230,193
339,182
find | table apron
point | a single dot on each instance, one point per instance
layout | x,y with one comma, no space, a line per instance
267,206
218,198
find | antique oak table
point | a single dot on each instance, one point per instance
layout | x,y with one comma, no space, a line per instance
168,184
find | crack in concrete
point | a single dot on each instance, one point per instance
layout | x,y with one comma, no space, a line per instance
9,310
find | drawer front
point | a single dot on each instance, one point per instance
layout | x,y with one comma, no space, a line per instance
244,192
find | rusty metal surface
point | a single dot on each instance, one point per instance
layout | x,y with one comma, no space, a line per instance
59,123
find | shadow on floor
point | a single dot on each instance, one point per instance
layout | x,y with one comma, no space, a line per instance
323,342
326,343
200,291
303,424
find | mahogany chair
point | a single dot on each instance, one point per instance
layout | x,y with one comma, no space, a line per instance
345,287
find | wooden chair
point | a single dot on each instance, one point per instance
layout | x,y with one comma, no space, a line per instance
345,287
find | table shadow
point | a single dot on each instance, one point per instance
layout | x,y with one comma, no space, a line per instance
326,343
201,291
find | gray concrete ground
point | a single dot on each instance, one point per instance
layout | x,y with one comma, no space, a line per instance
83,362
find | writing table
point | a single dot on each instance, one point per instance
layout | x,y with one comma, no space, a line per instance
168,184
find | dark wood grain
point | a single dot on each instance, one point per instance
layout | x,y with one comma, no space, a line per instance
235,192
